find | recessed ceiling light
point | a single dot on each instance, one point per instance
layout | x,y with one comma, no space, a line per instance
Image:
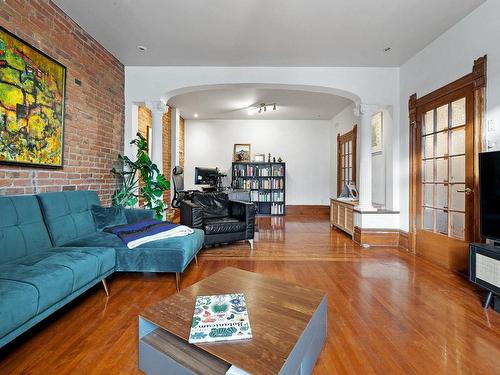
195,115
142,48
387,49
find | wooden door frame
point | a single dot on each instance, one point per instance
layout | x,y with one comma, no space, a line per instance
477,81
346,137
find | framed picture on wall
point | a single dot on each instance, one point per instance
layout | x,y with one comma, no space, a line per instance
259,158
32,94
377,132
241,152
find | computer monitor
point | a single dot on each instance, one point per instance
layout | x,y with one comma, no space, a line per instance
205,176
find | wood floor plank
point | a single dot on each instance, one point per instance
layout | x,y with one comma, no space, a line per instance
388,312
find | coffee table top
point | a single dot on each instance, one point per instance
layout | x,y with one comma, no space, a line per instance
278,310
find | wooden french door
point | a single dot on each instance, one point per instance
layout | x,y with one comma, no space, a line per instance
444,147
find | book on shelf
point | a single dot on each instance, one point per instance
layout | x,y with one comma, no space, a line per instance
220,318
277,209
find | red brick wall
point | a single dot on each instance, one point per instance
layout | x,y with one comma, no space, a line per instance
181,142
93,125
145,122
167,147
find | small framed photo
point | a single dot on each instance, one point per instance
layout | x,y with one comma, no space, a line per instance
259,158
241,152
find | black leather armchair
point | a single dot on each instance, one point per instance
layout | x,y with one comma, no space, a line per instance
221,219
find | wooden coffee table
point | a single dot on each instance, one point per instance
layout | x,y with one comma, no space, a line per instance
288,324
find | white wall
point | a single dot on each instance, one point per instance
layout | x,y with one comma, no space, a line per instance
382,163
446,59
341,124
369,85
303,144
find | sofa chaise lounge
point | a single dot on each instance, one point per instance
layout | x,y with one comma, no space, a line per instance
51,252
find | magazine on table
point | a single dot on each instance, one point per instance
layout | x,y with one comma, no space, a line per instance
220,318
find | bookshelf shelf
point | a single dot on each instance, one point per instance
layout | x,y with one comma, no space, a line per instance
266,184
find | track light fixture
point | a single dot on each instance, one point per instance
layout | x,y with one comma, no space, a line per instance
262,107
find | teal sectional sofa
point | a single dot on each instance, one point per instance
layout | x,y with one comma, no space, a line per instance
51,252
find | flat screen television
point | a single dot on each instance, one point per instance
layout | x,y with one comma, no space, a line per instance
205,176
489,194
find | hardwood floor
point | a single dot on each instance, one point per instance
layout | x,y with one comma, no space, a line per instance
389,312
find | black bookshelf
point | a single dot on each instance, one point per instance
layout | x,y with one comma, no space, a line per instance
266,184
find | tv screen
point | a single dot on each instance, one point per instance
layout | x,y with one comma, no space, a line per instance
489,194
205,176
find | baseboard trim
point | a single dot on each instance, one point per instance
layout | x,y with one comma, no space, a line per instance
404,241
376,237
308,210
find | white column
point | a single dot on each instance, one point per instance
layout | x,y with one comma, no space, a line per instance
157,108
365,112
175,130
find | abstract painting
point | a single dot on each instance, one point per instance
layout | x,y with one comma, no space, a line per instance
32,93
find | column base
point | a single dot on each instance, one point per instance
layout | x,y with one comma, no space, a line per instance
365,208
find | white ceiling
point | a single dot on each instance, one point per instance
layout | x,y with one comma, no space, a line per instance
233,103
266,33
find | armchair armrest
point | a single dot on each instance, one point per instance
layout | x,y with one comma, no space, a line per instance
134,215
191,215
244,211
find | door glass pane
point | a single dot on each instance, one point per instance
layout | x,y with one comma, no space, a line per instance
428,215
458,112
429,195
457,169
441,170
428,150
441,196
442,222
442,117
457,225
349,147
429,122
457,199
428,170
442,144
457,141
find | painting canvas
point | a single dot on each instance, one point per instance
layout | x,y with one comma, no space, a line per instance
32,92
377,132
241,153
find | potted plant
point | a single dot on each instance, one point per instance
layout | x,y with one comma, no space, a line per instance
140,179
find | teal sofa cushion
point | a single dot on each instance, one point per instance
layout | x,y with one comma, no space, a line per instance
31,285
105,256
67,214
168,255
53,282
18,304
86,264
96,239
106,217
22,229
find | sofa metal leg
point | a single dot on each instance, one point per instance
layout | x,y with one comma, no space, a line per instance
105,285
196,259
251,243
178,281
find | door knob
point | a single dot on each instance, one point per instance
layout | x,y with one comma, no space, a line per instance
467,191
